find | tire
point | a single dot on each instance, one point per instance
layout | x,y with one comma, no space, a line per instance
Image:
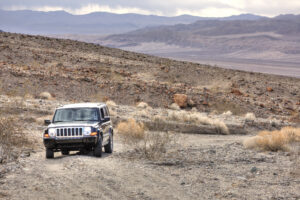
65,152
49,153
110,146
98,148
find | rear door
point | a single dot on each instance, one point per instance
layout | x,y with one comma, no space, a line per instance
105,124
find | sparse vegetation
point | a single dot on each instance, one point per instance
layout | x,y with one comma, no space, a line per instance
46,95
278,140
111,103
12,139
143,105
227,113
174,106
250,117
150,145
131,132
198,118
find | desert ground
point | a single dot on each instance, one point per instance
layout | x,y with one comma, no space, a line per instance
204,156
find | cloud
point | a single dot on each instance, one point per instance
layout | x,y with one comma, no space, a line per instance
106,8
205,8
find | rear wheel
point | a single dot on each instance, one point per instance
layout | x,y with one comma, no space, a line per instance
110,146
49,153
98,148
65,152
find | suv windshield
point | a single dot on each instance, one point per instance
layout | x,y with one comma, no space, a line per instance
76,114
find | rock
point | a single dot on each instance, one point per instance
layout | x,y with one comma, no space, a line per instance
253,170
236,92
205,103
25,154
269,89
180,100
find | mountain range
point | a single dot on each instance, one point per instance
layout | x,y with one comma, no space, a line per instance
98,23
265,45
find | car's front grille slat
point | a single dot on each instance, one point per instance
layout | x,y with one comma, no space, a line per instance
69,132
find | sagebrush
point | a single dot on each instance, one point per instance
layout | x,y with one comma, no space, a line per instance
278,140
12,139
145,144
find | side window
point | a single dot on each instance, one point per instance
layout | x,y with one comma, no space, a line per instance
102,113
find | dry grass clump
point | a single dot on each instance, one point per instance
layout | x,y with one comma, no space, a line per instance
111,103
279,140
174,106
250,117
227,113
12,139
198,118
143,113
143,105
46,95
112,107
150,145
130,131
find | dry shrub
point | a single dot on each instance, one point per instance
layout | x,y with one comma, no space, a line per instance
156,145
143,113
250,117
131,131
278,140
174,106
227,113
198,118
46,95
112,113
12,139
143,105
111,103
149,145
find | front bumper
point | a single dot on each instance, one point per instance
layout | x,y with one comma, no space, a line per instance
70,143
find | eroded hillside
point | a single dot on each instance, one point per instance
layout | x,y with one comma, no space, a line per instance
73,70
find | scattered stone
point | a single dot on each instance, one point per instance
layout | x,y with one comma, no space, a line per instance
236,92
253,170
180,100
269,89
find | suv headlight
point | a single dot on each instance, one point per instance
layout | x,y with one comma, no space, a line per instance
87,130
51,132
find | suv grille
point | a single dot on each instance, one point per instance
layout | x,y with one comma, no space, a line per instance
68,132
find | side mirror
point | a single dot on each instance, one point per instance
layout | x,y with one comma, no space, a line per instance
47,122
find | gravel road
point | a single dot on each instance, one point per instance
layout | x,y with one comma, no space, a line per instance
205,167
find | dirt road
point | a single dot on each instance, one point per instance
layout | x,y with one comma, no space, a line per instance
205,167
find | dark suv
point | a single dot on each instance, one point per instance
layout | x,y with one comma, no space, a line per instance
79,127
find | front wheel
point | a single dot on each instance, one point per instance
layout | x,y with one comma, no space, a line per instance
98,148
49,153
110,146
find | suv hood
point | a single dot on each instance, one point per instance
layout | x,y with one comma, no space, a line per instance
72,124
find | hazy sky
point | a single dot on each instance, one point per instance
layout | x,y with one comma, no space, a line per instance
205,8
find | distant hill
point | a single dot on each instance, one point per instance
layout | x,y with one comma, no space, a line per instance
178,34
265,41
98,23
